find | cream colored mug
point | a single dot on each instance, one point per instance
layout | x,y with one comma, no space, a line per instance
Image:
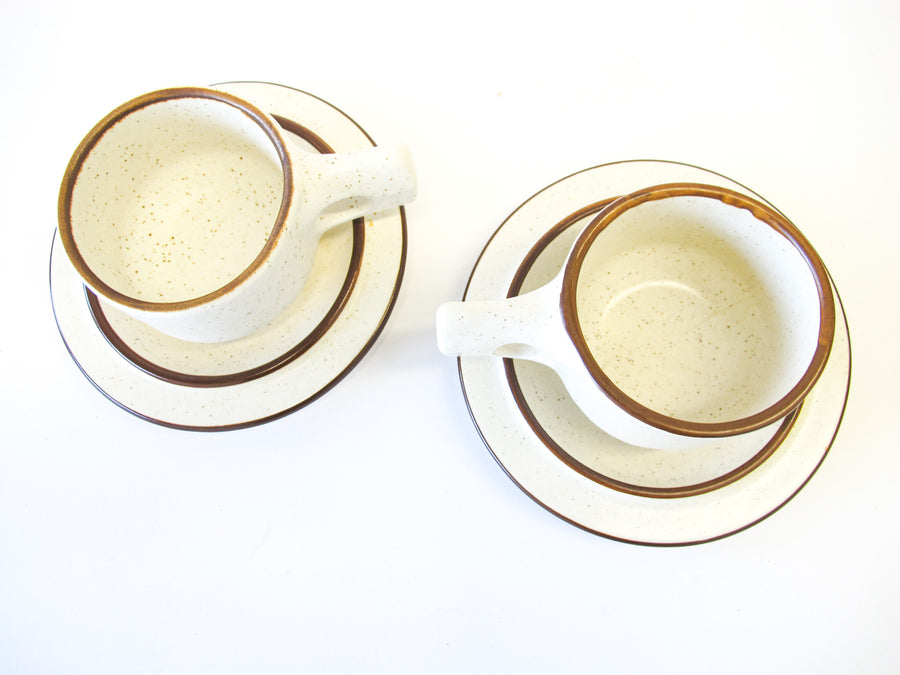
191,210
683,313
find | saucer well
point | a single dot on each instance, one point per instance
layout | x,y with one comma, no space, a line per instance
301,355
555,455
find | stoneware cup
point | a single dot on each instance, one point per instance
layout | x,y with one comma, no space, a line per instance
683,313
193,211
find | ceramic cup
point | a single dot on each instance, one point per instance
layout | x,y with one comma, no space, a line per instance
683,313
193,211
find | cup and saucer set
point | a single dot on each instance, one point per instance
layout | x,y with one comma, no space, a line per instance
650,350
353,278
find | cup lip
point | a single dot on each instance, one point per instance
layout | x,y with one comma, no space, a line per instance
73,169
790,401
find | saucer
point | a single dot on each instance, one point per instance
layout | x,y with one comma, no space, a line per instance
556,456
301,355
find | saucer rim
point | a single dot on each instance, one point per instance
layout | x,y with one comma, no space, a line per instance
841,388
399,245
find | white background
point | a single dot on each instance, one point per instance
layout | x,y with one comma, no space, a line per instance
372,531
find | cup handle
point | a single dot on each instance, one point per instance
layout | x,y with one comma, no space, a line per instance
528,326
344,186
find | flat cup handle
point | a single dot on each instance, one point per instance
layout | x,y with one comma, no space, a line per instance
526,326
344,186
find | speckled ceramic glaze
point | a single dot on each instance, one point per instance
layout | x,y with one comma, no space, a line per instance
307,350
191,210
684,312
563,461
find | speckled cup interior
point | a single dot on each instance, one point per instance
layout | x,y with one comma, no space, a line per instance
698,308
175,199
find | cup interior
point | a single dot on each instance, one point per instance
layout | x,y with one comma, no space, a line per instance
700,311
172,197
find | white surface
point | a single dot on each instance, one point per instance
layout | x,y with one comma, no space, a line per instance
372,531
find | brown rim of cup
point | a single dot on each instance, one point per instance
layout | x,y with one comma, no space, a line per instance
70,178
651,491
762,212
306,343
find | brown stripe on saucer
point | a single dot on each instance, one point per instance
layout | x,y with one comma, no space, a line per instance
194,380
